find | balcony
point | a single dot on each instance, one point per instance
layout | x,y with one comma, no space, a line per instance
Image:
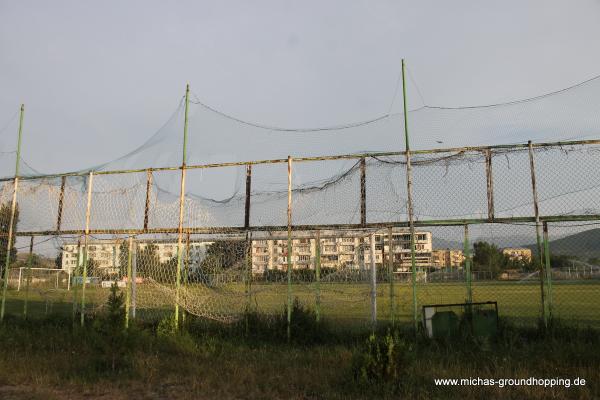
303,250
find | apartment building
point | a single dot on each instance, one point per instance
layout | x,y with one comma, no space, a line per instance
342,250
517,254
106,253
448,258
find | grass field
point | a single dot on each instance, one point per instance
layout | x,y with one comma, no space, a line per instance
49,357
573,302
52,359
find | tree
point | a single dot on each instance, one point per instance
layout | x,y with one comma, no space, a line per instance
113,343
5,212
58,260
147,261
93,268
224,254
488,257
123,257
167,271
594,260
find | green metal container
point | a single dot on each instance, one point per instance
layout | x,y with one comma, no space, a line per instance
445,323
485,323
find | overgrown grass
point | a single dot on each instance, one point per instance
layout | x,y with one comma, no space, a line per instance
252,358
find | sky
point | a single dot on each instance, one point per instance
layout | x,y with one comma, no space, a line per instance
100,78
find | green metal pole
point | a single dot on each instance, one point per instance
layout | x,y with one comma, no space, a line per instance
411,221
85,246
28,278
181,206
12,215
467,254
373,282
391,275
128,289
318,275
17,161
289,251
548,269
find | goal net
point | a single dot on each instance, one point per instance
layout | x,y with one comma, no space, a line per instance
40,278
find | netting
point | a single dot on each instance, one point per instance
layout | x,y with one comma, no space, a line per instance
233,251
211,238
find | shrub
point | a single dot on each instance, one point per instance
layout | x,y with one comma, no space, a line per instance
111,340
380,361
166,327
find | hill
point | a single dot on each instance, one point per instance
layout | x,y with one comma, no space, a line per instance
583,245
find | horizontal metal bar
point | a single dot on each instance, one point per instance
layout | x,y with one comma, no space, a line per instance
322,158
357,227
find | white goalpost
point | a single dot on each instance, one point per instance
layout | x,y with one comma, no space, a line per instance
406,276
44,277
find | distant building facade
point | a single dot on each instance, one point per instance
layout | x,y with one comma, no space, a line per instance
448,258
341,250
517,254
106,254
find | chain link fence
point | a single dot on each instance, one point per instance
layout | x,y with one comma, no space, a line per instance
513,224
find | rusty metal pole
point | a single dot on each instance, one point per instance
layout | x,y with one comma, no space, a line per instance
61,199
181,209
363,192
490,184
148,195
537,232
411,222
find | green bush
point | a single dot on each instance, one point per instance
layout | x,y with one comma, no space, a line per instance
110,339
380,361
166,327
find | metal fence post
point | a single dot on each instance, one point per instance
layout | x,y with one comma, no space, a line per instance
11,233
411,222
128,289
490,184
85,246
391,275
467,255
78,264
28,278
537,232
248,269
363,192
148,194
318,276
289,251
249,261
61,200
373,282
181,208
12,227
548,269
133,278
